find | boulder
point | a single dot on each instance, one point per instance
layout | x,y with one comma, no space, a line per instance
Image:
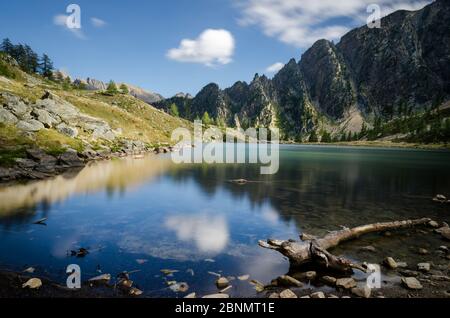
15,105
362,291
67,130
45,118
346,283
31,125
287,293
40,156
25,163
6,117
70,158
58,107
411,283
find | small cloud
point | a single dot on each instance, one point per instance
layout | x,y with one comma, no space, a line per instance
210,48
61,20
98,23
275,67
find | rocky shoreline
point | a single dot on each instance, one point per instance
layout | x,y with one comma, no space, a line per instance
39,165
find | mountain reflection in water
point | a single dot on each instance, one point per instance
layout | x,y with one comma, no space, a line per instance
178,216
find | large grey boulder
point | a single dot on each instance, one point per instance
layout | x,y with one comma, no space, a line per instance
58,107
67,130
45,118
6,117
31,125
70,158
15,105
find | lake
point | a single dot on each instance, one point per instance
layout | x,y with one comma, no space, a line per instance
149,214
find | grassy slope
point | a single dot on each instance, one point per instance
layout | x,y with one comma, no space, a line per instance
138,120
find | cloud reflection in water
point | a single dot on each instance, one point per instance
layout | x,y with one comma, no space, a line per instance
210,234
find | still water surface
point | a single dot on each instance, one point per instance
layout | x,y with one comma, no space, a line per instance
150,214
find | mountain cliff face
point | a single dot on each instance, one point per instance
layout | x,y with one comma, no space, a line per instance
371,75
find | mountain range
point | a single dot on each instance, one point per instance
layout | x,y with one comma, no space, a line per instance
372,75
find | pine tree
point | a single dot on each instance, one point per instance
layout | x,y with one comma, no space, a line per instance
7,46
112,87
326,137
313,137
32,60
173,110
206,119
124,89
46,67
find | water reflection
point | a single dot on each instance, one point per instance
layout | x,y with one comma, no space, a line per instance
177,216
112,176
209,233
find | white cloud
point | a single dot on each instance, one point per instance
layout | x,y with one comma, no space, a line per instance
61,20
212,47
302,22
275,67
98,23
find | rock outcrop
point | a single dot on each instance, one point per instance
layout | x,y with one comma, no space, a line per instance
51,111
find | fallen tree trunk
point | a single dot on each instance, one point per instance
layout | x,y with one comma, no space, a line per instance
313,249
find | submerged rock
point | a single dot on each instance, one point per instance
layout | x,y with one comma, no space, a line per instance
411,283
222,282
32,283
424,267
390,263
286,280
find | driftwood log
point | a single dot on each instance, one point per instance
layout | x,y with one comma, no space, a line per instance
312,249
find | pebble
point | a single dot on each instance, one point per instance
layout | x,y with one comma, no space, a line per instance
329,280
244,277
423,251
222,282
318,295
32,283
287,293
286,280
424,267
368,248
217,296
390,263
191,295
346,283
363,291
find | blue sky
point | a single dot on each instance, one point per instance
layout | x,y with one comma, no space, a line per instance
140,42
